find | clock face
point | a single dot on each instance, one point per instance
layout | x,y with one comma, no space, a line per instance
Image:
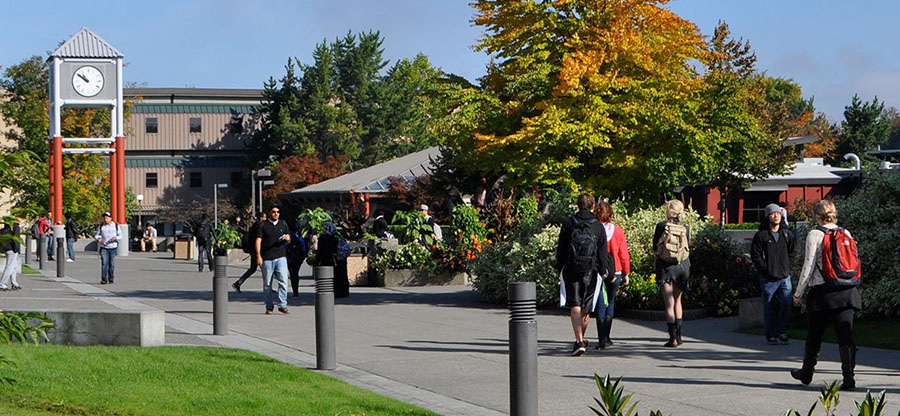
87,81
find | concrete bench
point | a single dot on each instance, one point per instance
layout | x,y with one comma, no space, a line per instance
138,328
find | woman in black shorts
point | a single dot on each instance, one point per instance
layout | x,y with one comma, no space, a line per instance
671,240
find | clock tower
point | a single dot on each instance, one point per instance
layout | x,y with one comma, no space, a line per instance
86,72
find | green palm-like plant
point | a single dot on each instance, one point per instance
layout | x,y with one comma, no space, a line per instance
410,227
612,401
872,405
16,326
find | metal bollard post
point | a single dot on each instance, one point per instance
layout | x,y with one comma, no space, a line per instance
523,388
220,296
59,232
42,247
325,348
27,248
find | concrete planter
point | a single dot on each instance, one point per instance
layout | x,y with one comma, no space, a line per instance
744,238
237,257
403,277
358,270
750,313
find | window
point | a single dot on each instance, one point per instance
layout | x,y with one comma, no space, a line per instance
151,180
196,180
755,204
236,178
236,126
151,125
196,125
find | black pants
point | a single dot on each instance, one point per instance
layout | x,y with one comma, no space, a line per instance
819,320
249,271
204,248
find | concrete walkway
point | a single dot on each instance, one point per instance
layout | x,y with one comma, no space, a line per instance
442,349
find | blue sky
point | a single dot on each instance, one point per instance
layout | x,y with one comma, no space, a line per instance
833,49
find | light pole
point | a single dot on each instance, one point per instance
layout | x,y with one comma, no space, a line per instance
263,184
216,188
140,199
261,173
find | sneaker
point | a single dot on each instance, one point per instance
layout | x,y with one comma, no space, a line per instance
578,349
16,287
237,287
284,310
4,289
268,311
772,340
103,282
70,261
783,339
585,342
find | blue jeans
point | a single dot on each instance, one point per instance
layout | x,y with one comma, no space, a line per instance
279,268
608,309
107,264
70,246
777,306
51,245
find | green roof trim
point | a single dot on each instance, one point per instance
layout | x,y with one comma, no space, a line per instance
150,108
187,162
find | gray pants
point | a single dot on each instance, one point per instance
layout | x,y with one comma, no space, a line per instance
11,270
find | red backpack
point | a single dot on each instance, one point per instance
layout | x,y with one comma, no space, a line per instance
840,258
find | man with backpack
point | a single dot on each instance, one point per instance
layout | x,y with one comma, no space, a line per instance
204,242
771,252
581,254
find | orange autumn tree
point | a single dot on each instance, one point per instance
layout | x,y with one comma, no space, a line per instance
602,95
296,172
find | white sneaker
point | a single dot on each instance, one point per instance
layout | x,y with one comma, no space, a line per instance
70,261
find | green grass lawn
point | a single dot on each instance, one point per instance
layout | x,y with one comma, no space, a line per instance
175,381
26,269
881,333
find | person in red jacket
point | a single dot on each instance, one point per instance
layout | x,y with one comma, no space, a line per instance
620,267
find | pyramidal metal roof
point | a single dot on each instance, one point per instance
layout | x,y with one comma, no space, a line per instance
86,44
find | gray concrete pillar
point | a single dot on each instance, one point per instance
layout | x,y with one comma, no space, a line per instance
325,344
124,245
41,251
220,296
523,388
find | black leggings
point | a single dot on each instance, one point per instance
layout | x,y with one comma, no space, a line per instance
843,326
249,272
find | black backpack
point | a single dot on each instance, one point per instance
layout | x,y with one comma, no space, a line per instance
582,247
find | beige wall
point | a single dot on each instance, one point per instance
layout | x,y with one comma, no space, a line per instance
173,185
174,133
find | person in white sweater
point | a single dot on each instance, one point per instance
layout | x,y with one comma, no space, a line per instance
826,303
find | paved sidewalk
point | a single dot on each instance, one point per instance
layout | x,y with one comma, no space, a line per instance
442,349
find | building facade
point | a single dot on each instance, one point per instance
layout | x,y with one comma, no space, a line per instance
180,143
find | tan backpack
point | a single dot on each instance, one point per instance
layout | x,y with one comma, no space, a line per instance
673,247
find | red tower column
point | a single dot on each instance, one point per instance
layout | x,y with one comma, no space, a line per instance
51,164
113,185
120,160
58,181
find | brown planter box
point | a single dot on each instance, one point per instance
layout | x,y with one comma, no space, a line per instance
358,270
399,278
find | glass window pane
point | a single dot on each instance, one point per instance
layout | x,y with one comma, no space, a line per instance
196,125
151,125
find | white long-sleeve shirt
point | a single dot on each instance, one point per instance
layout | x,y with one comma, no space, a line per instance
811,274
109,236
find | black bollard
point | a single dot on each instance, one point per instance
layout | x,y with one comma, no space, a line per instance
325,348
220,296
27,248
60,232
523,388
42,247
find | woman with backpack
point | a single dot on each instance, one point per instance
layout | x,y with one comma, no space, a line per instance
831,272
619,268
329,253
672,241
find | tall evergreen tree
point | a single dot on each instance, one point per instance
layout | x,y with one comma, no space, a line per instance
863,128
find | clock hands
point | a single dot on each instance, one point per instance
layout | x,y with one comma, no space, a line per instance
84,78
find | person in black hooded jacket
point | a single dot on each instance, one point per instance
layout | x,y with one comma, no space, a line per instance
771,252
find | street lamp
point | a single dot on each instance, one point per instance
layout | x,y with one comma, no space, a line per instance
261,185
216,202
261,173
139,198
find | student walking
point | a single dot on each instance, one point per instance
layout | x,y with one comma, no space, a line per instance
108,236
619,268
249,247
672,240
11,247
329,253
831,273
581,255
71,237
271,249
204,242
771,251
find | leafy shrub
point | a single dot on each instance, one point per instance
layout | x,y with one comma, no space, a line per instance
411,227
743,226
412,256
639,226
529,221
226,237
641,293
21,327
801,210
870,214
721,273
466,241
558,206
313,220
512,261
